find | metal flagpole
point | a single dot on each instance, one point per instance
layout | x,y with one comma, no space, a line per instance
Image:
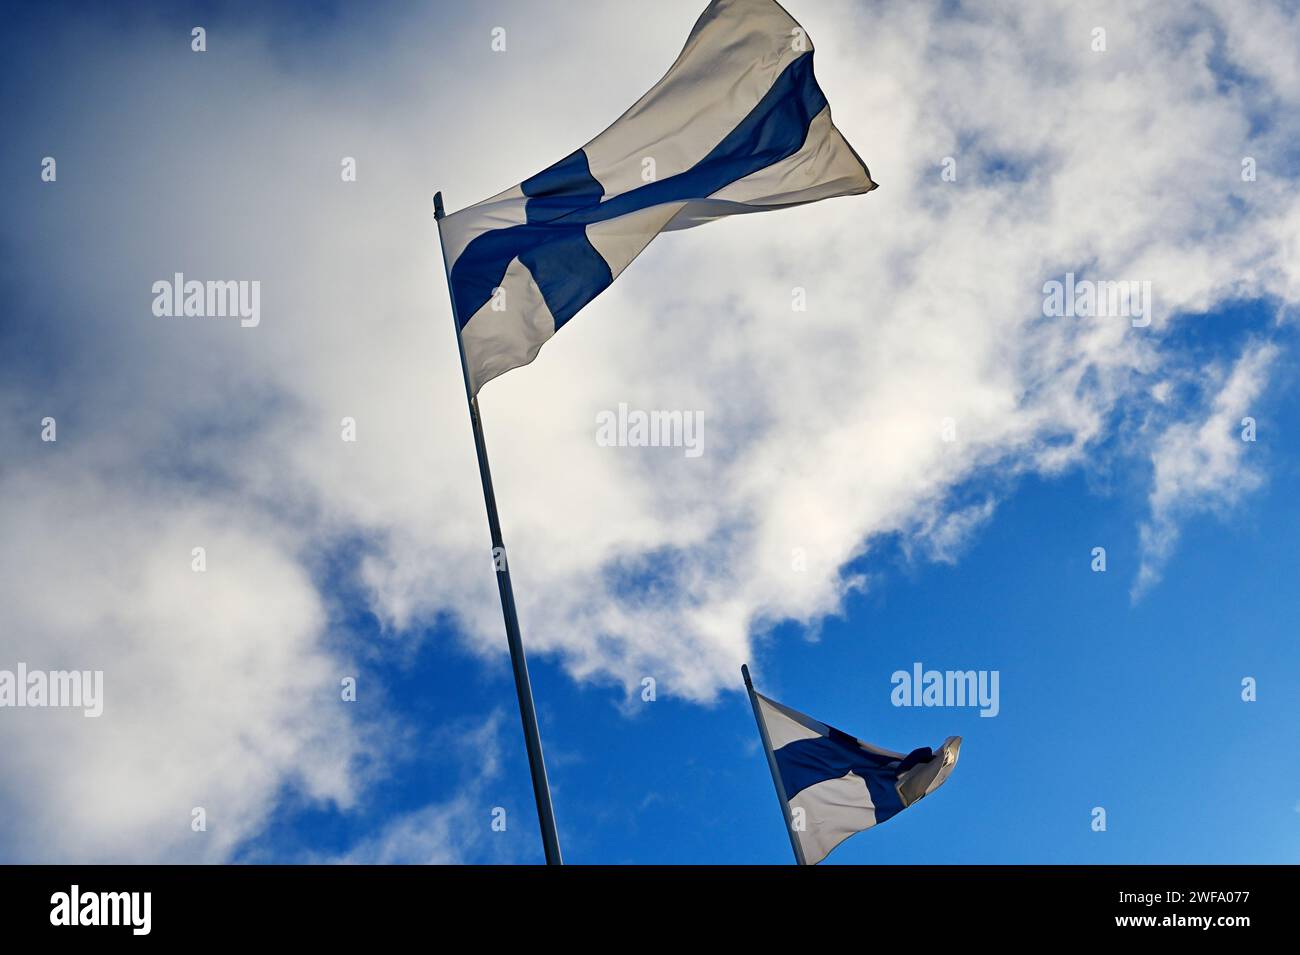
523,688
771,764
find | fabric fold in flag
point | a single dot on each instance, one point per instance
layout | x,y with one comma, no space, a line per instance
836,785
737,125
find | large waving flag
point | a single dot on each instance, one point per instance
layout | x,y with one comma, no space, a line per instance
832,785
738,124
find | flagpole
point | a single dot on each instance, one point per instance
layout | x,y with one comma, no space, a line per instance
518,662
771,764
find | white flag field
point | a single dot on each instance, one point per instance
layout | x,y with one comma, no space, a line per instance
738,124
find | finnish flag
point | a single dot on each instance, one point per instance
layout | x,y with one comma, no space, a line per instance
738,124
833,785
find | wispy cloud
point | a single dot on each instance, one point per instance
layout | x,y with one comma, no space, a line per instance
1203,464
456,830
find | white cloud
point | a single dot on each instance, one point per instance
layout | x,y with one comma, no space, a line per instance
924,303
216,690
457,830
1203,464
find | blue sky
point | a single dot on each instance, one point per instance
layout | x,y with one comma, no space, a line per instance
330,559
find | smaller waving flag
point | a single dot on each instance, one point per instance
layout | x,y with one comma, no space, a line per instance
832,785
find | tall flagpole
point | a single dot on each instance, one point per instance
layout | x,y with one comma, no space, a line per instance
771,764
523,688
